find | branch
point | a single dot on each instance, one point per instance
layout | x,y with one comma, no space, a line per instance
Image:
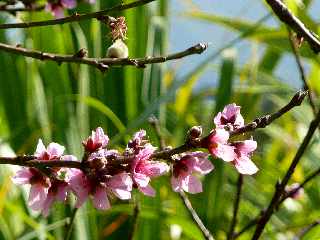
102,63
254,221
280,187
306,87
76,17
284,14
235,207
307,229
30,161
264,121
206,233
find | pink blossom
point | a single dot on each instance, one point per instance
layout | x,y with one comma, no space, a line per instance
53,151
137,141
57,7
217,144
84,186
142,170
96,141
230,117
45,191
39,186
295,191
183,178
242,161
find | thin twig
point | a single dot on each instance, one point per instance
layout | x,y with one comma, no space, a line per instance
306,86
280,186
206,233
156,125
254,221
69,227
307,229
135,216
102,63
76,17
286,16
235,207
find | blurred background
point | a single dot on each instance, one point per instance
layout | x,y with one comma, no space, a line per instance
249,61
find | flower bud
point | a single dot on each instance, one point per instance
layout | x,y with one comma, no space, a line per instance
195,132
118,50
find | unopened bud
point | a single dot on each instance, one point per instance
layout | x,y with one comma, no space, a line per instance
118,50
195,132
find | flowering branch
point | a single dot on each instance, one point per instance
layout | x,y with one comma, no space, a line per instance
76,17
260,122
280,186
102,63
286,16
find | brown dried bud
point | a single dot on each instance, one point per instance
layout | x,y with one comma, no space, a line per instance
118,28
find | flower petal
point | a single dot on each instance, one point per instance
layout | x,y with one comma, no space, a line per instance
148,190
176,183
191,184
40,148
22,176
37,196
156,169
141,179
245,166
55,150
247,147
225,152
100,199
203,166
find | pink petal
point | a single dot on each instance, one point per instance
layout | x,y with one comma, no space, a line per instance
40,149
225,152
100,199
99,137
245,166
219,136
217,120
80,186
192,184
47,205
37,196
58,12
55,150
121,185
22,176
62,192
148,190
247,147
69,158
69,3
156,169
231,110
176,183
141,179
203,166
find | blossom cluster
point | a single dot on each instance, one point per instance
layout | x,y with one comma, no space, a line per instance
107,173
56,7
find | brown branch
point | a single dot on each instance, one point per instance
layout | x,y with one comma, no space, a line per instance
280,186
206,233
76,17
30,161
254,221
307,229
102,63
286,16
306,86
235,208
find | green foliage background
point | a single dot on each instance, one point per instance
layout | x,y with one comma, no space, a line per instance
62,103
